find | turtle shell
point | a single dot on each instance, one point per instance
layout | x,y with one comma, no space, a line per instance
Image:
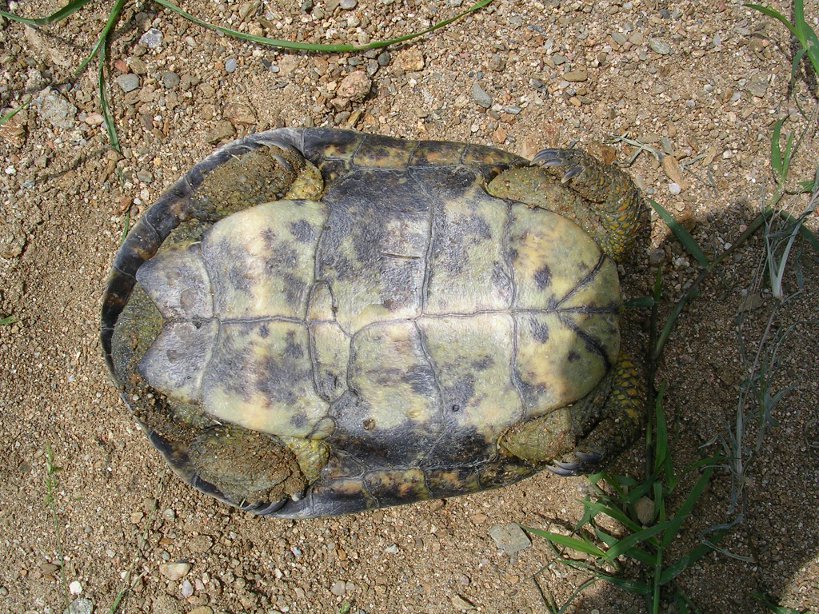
387,323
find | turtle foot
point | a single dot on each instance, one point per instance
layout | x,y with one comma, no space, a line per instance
617,198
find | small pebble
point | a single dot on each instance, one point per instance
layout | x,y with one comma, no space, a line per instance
170,80
151,39
338,588
462,604
758,85
355,86
659,46
391,549
80,606
127,82
645,510
674,188
186,589
348,5
481,97
56,110
75,588
510,538
174,571
230,65
384,58
575,76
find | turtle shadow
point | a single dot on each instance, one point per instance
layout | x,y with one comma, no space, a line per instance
774,532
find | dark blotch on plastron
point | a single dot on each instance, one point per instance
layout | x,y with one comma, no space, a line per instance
483,363
540,330
270,239
459,393
398,287
543,277
264,331
302,231
228,260
452,240
292,348
502,281
422,380
374,446
445,183
573,356
276,379
459,445
299,421
228,364
531,394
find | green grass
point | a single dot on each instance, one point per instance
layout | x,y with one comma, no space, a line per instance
8,320
100,49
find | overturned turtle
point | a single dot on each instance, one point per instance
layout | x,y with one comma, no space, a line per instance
315,322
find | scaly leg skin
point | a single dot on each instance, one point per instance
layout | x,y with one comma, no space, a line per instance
617,424
586,436
604,184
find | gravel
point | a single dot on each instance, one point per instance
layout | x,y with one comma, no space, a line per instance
480,97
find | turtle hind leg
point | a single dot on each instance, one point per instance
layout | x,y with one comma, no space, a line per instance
610,419
603,184
250,172
583,437
244,467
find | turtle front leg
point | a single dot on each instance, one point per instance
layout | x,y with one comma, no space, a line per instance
585,436
602,184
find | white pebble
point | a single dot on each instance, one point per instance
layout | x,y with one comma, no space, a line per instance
75,588
186,589
10,170
674,188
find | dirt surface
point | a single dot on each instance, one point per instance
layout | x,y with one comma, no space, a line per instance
704,87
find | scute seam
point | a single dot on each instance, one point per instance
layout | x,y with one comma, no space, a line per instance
585,281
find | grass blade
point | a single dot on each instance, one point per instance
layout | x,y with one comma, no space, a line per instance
7,117
776,152
581,545
110,127
775,14
683,236
8,320
318,47
669,326
638,554
627,543
805,34
630,586
68,10
687,507
688,559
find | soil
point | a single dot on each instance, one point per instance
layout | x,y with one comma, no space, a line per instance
88,510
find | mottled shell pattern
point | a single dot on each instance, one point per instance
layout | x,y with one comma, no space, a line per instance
365,305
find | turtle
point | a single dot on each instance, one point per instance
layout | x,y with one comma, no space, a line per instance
314,322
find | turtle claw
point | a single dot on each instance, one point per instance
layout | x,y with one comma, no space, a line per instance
564,470
560,157
584,462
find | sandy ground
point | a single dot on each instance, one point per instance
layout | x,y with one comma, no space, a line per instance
702,86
